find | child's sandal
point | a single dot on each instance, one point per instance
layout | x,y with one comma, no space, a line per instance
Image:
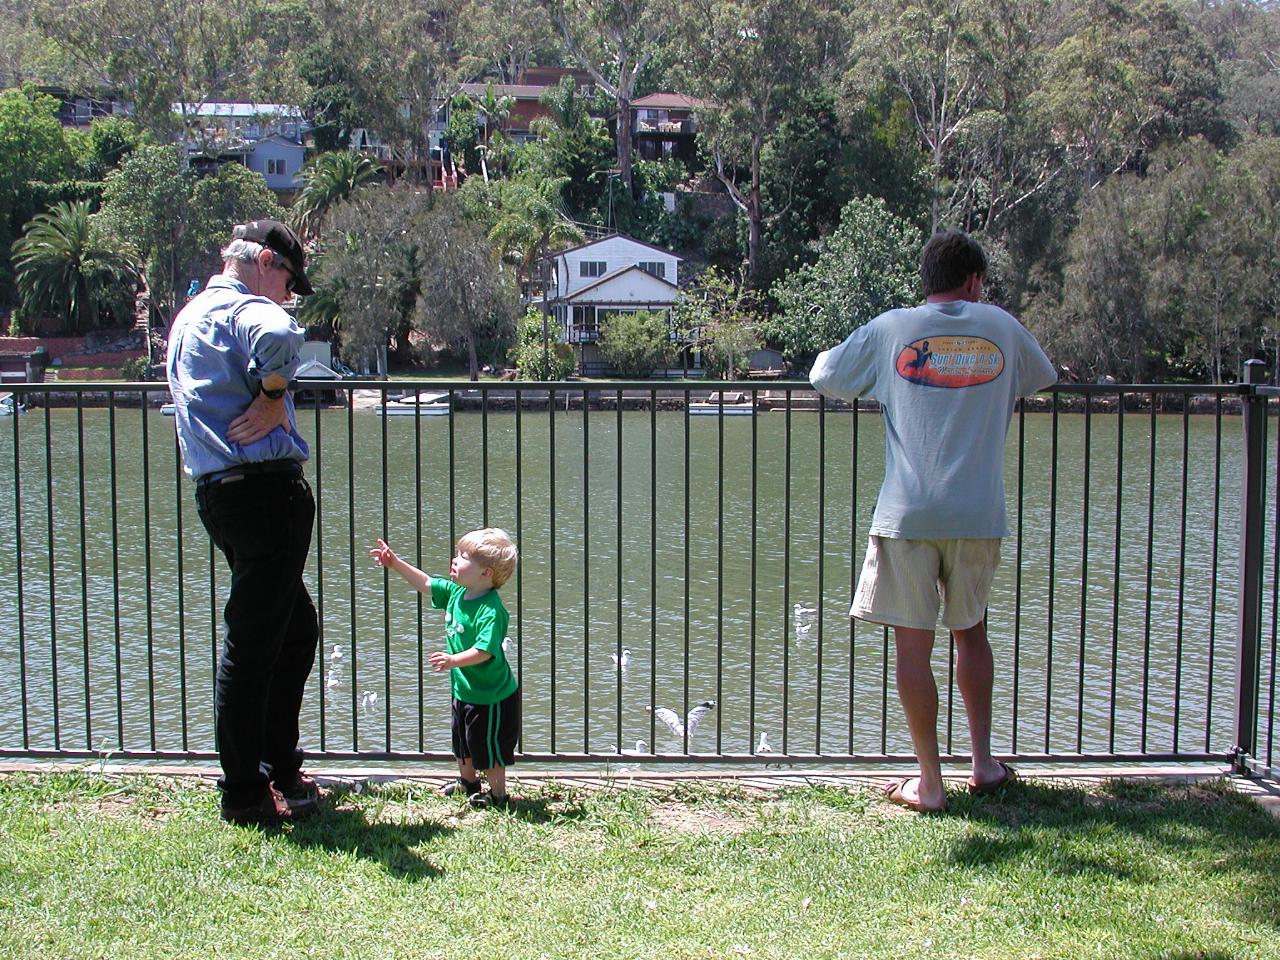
470,787
487,801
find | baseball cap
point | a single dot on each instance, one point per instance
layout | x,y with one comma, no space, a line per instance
276,236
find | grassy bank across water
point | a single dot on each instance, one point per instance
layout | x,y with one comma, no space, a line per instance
140,867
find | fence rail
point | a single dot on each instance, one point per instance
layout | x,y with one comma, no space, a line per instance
673,552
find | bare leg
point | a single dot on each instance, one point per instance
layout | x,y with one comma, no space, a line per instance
497,777
975,674
467,769
919,695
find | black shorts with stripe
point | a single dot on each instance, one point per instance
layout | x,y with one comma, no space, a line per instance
487,733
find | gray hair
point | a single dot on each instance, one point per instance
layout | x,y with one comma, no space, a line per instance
245,251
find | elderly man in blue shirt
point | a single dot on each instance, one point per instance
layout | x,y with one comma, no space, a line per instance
232,352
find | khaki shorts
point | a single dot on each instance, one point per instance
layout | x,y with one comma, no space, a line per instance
905,582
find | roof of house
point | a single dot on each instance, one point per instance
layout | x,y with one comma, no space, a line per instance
618,236
667,101
315,370
227,108
521,91
613,275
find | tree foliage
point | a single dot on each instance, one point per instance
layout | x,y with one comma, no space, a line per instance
636,343
73,278
327,180
868,265
539,358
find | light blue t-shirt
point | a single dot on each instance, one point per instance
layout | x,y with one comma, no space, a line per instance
947,376
223,343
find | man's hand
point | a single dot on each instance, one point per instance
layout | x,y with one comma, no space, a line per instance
262,416
440,661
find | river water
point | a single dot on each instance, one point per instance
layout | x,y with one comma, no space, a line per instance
688,541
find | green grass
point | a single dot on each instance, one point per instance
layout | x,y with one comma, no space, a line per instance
94,866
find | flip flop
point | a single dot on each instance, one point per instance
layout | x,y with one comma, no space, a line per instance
892,792
1007,776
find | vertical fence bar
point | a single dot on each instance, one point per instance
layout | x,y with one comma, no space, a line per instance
786,574
1053,559
115,564
618,546
1151,528
1084,573
720,567
1017,574
318,539
351,536
147,572
1115,584
484,450
18,583
519,453
822,539
1249,590
53,589
1275,598
386,593
181,582
1213,574
1182,574
653,566
755,543
551,501
586,573
84,573
853,566
687,568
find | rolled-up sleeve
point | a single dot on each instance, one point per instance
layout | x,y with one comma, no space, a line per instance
273,340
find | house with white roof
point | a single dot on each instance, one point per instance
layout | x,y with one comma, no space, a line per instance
614,274
265,137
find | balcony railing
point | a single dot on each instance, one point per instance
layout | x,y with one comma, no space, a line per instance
715,554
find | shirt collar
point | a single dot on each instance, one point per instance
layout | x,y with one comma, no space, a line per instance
222,281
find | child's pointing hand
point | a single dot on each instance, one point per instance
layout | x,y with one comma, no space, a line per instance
383,555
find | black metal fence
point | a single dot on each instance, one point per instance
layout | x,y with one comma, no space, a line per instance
673,552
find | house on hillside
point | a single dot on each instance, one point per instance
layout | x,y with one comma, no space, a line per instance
526,95
664,126
265,137
614,274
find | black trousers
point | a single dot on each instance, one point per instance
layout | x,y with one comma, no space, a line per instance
262,524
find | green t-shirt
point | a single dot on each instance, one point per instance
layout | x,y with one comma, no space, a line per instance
479,623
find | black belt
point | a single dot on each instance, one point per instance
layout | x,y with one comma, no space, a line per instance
250,469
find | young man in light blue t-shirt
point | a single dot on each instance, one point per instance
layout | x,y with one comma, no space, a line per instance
947,374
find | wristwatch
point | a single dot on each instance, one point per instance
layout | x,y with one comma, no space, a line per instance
273,394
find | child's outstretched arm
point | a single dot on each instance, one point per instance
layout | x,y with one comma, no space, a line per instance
385,557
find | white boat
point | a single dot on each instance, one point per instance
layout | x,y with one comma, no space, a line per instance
422,404
728,404
9,405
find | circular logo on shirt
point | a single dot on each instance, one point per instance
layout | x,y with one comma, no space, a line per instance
950,361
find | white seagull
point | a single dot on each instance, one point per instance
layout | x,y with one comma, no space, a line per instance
623,663
765,746
641,749
800,619
507,644
690,723
337,653
368,700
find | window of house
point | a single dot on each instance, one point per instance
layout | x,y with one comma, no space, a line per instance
655,268
592,268
275,168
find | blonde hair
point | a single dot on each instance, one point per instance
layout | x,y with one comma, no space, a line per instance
494,549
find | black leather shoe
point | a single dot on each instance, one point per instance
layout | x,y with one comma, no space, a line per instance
271,810
469,787
302,789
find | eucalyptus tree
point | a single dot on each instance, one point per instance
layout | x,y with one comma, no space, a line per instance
614,41
327,180
502,38
73,277
749,60
159,53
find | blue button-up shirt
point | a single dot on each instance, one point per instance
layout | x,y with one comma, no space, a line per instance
223,343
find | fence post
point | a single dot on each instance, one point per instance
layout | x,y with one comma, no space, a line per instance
1252,520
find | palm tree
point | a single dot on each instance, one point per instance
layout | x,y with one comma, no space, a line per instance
328,180
530,223
68,269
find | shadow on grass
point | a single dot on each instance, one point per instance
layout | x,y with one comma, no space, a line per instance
1065,829
396,846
